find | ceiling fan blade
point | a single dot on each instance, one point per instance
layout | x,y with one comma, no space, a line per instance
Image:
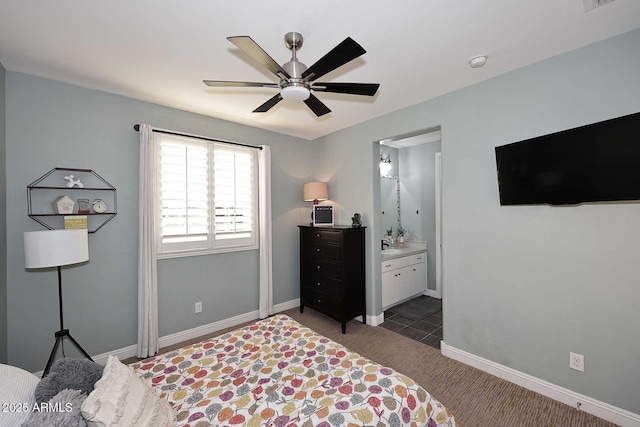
269,104
223,83
317,106
346,51
251,48
368,89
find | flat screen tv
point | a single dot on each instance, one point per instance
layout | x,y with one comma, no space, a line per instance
594,163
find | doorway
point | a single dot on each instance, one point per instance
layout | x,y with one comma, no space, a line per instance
416,165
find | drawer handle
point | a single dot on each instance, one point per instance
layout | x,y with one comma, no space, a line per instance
318,267
319,300
388,265
317,234
318,283
317,249
419,258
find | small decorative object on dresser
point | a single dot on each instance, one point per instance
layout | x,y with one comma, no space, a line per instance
355,220
332,271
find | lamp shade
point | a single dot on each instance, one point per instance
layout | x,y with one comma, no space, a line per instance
315,191
54,248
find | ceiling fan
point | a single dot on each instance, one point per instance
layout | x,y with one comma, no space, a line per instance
296,80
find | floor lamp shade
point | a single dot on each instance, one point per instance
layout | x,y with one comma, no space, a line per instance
55,248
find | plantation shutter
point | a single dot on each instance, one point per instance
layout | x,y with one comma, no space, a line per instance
184,170
208,193
234,170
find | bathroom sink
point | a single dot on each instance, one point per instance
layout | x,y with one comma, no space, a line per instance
391,251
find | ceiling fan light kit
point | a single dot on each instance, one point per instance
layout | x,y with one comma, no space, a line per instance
295,93
296,81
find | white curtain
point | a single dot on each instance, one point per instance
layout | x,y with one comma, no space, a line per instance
266,273
147,267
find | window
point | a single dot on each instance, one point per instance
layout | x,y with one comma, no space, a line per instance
208,196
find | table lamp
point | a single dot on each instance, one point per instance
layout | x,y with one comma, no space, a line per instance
315,192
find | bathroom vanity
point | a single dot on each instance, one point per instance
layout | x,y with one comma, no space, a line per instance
404,274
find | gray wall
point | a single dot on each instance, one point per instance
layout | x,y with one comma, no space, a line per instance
51,124
523,285
3,225
418,199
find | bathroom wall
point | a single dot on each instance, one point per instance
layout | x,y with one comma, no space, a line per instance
418,199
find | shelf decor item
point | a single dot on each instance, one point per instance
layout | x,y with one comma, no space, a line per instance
75,222
57,248
63,205
94,197
99,206
83,206
72,182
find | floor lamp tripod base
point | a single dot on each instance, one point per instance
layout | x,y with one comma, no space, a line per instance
60,335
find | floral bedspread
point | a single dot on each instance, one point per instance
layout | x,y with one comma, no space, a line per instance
278,373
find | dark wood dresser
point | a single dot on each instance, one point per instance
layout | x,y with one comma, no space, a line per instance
332,275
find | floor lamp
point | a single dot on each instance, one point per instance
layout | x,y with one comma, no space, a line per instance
56,248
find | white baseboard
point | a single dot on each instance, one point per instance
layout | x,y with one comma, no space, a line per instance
286,305
189,334
372,320
431,293
592,406
375,320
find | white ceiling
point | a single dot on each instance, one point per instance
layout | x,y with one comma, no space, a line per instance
161,50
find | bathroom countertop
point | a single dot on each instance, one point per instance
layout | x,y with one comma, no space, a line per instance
393,253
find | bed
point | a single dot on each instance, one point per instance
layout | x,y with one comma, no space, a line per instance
278,373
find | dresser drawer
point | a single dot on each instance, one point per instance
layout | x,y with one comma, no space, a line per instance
324,285
321,302
320,250
320,235
319,267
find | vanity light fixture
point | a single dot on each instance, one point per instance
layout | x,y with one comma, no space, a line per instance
385,165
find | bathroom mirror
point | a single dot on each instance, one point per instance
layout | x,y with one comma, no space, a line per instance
390,202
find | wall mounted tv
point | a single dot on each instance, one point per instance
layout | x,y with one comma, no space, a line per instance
593,163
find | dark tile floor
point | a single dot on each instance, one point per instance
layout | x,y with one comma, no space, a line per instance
427,330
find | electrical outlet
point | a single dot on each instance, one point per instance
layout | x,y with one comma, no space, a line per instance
199,307
576,361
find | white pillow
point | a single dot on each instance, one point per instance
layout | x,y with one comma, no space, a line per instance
121,398
16,395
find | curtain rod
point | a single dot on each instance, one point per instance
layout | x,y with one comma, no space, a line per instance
136,127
